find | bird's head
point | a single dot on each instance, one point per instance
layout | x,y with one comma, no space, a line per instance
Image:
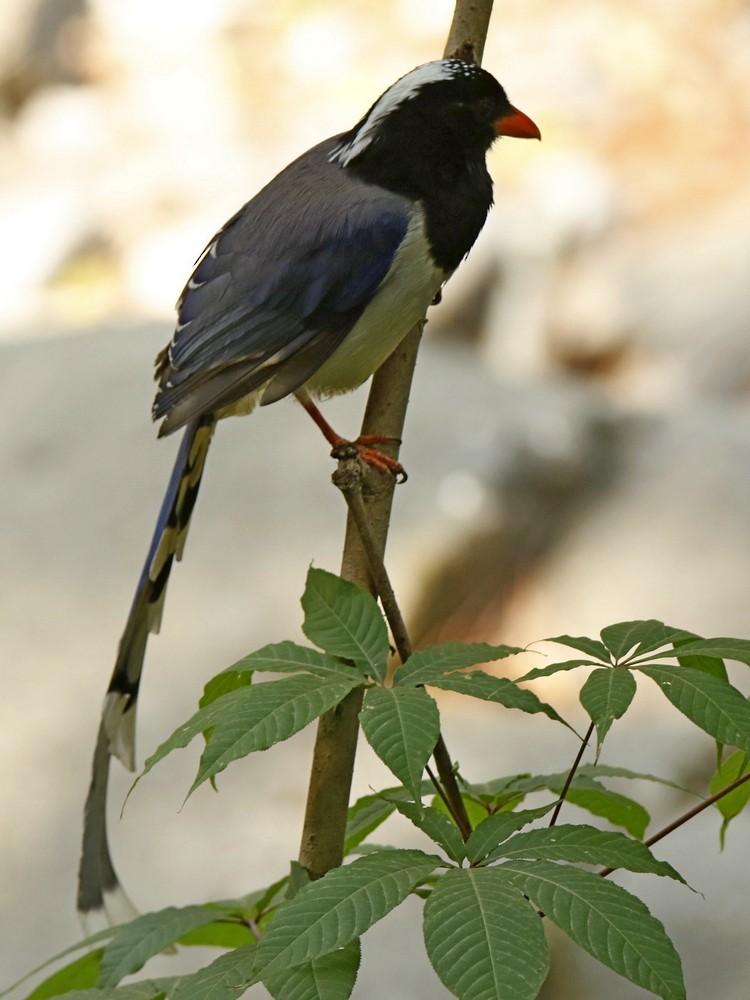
441,111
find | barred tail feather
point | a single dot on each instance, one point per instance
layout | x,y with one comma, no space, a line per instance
99,892
167,545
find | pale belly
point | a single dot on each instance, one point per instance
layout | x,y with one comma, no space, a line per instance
401,302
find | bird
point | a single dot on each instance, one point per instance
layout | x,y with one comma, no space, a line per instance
305,291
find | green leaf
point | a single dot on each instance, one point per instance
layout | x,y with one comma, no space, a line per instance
149,989
429,664
474,809
585,792
254,718
134,943
606,920
734,802
332,911
708,664
226,978
554,668
722,649
78,974
599,770
712,704
330,977
499,690
588,845
483,939
257,717
438,827
288,658
223,683
493,830
639,637
402,725
591,647
345,621
606,696
370,811
600,801
219,934
365,816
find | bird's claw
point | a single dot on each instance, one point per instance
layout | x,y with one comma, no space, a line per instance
364,447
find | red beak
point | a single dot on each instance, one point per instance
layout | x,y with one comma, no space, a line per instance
518,125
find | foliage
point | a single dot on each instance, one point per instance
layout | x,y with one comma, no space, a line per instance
487,896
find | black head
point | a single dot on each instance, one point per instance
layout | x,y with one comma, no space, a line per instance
430,127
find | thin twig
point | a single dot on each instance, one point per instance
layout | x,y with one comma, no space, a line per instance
675,824
571,774
348,478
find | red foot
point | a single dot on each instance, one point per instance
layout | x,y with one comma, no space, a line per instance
363,444
373,456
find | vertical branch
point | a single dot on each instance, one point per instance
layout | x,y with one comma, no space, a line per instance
322,842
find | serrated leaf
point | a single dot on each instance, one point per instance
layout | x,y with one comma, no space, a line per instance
365,816
712,704
82,972
604,919
219,934
369,811
640,637
257,717
733,803
332,911
253,904
345,620
330,977
402,725
226,978
288,658
584,644
585,792
599,770
437,826
495,829
432,662
618,809
606,696
498,690
223,683
719,648
475,811
587,845
135,943
149,989
253,718
554,668
708,664
483,939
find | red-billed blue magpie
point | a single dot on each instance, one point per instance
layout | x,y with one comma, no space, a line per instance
305,291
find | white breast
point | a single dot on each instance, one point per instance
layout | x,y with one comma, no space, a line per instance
400,302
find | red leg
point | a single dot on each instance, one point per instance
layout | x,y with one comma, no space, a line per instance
364,443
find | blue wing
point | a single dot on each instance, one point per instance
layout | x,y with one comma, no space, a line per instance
279,287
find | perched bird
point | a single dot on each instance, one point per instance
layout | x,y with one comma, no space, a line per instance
305,291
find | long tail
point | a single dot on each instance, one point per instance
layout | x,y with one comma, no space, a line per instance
99,893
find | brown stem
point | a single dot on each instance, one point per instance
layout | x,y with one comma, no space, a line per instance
571,774
348,478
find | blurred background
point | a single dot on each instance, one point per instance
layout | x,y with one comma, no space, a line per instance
578,441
